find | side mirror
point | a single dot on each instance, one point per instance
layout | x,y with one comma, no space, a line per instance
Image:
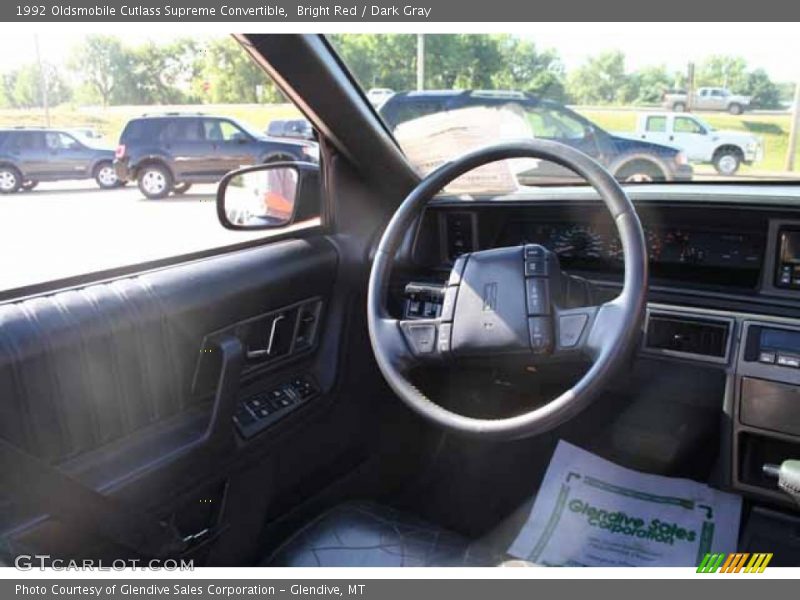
268,196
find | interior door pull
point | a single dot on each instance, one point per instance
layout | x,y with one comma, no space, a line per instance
253,354
226,395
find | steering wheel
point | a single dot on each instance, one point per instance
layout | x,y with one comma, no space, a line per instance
508,301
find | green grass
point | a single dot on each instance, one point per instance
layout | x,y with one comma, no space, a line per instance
774,129
111,120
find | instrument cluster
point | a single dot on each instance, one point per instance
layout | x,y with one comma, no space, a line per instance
587,244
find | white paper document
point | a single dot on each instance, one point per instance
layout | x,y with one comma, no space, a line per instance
591,512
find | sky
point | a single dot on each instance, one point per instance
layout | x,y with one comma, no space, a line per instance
773,47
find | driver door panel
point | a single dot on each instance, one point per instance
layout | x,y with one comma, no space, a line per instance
99,381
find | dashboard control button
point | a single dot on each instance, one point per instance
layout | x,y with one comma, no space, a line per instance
766,357
538,293
413,308
536,268
449,303
445,329
788,360
541,334
430,310
570,329
534,251
422,337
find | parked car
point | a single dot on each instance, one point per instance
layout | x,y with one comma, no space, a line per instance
707,98
29,155
726,150
291,128
629,160
170,152
378,96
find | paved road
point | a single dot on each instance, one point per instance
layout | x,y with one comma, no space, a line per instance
63,229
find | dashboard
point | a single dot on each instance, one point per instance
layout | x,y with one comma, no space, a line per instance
731,249
723,301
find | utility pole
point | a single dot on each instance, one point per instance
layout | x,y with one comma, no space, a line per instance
43,78
793,131
689,86
420,61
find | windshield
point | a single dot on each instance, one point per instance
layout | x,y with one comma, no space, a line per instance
648,108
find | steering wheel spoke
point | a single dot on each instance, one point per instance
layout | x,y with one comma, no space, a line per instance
587,331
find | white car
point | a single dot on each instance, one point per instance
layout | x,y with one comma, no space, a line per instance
701,143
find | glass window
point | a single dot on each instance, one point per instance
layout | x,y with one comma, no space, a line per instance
555,124
60,141
217,130
687,125
28,140
156,102
588,92
656,124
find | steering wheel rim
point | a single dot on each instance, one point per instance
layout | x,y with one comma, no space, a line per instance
609,332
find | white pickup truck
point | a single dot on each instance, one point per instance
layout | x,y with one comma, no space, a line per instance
707,98
701,143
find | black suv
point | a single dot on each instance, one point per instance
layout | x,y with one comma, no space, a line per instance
29,155
171,152
629,160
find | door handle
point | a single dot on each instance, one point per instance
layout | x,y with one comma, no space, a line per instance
262,352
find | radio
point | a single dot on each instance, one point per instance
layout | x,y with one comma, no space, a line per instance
773,346
788,263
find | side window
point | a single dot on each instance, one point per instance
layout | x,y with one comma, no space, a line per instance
145,192
687,125
408,111
554,124
656,124
218,130
60,141
183,130
29,140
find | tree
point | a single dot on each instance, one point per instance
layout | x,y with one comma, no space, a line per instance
646,86
380,60
765,93
723,71
527,69
103,64
600,80
22,88
229,75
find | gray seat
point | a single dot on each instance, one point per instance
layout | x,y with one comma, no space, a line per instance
364,534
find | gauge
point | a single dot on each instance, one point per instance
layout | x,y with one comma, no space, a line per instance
653,246
675,246
578,242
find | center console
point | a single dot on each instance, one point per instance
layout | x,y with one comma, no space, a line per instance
766,424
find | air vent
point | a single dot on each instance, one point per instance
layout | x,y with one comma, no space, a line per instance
697,337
